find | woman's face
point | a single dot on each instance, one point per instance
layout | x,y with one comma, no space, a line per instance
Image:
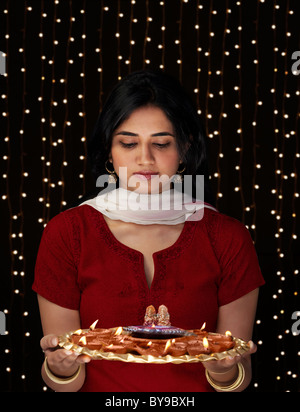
145,146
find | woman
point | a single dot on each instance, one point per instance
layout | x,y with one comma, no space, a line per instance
99,261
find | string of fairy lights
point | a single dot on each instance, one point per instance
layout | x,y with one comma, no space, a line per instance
238,69
286,181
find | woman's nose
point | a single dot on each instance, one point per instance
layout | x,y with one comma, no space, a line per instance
145,155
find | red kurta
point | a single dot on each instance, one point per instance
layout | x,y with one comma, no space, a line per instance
82,266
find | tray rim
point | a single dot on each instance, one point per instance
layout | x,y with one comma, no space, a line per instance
241,347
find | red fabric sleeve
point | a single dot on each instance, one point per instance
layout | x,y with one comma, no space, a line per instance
240,271
55,269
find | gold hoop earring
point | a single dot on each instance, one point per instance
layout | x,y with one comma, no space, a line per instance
178,177
109,171
181,171
112,177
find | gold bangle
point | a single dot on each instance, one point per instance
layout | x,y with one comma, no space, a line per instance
235,385
56,379
224,373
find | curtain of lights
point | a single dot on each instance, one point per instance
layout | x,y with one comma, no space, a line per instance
236,60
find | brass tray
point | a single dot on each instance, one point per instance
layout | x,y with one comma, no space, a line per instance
240,348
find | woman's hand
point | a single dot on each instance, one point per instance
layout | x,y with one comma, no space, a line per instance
227,364
61,362
224,375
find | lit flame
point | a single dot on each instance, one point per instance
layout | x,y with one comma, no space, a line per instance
82,340
119,331
205,343
149,343
153,325
203,326
92,327
228,333
168,344
77,332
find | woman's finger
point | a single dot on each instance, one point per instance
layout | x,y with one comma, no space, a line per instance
49,342
61,355
61,363
83,359
253,347
68,358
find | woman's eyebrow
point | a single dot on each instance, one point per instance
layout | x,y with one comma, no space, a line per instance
163,134
125,133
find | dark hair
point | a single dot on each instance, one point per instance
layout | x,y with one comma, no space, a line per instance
145,88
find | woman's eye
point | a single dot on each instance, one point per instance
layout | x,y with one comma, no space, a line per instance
162,145
128,145
158,145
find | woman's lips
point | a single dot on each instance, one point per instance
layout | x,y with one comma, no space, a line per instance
145,175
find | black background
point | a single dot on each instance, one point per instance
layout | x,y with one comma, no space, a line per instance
269,144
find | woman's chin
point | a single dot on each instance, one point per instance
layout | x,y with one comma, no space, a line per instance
142,185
